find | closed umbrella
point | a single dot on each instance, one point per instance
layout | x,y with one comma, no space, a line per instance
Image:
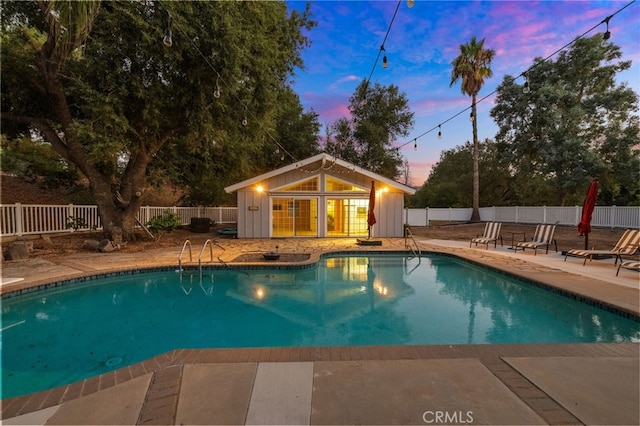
371,217
584,227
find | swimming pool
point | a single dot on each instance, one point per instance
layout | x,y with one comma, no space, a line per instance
65,334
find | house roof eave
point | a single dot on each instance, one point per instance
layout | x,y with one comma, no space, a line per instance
319,157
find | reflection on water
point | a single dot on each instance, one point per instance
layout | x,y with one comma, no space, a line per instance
69,333
516,313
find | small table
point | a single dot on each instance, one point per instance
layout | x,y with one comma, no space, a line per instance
513,243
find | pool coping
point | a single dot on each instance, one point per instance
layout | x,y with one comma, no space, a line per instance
168,367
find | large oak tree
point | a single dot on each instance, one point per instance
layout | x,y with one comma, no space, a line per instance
575,122
96,81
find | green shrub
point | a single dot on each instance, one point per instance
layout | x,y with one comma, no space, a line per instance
167,222
76,223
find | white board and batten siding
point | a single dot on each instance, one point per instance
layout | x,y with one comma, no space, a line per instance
254,218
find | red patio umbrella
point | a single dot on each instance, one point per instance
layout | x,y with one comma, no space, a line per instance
371,217
584,227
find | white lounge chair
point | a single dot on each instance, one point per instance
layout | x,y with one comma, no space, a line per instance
491,235
543,237
626,245
631,265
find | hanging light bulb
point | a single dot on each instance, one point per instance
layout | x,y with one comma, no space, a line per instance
415,144
607,35
411,3
216,91
385,62
525,87
471,116
244,121
168,40
439,132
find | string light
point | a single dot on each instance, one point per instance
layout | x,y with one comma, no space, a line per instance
384,59
605,36
168,39
216,92
411,3
385,63
525,87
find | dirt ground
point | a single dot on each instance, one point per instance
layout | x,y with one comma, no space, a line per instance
566,237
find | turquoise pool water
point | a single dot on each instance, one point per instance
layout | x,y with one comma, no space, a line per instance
61,335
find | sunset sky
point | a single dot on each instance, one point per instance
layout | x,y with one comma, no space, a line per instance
422,42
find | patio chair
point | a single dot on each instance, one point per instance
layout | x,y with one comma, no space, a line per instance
543,237
491,234
632,265
626,245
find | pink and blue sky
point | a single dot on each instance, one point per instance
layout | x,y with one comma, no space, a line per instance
423,41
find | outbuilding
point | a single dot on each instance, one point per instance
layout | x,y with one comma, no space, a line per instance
321,196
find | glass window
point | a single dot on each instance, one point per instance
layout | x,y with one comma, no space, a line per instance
336,185
307,185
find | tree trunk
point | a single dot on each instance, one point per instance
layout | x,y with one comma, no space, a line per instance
118,219
475,213
118,211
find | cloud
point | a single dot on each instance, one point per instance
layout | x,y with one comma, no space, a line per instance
345,79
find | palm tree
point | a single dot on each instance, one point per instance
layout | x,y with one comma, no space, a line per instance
473,66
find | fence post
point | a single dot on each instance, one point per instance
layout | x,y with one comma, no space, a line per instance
70,215
18,218
544,214
577,218
612,221
426,209
516,216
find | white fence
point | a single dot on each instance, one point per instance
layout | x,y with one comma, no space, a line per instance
605,216
27,219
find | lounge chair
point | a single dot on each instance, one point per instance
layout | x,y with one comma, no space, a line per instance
543,237
626,245
491,234
632,265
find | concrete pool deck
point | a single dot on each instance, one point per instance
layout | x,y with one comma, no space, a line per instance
463,384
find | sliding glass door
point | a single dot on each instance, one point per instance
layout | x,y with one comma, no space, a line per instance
347,217
293,217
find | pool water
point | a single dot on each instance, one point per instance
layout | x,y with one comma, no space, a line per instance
65,334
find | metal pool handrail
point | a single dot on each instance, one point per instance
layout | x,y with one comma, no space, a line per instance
407,235
204,246
186,243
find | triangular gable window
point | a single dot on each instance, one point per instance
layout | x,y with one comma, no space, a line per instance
336,185
304,185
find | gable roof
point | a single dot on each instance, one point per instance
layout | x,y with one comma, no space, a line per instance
322,157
